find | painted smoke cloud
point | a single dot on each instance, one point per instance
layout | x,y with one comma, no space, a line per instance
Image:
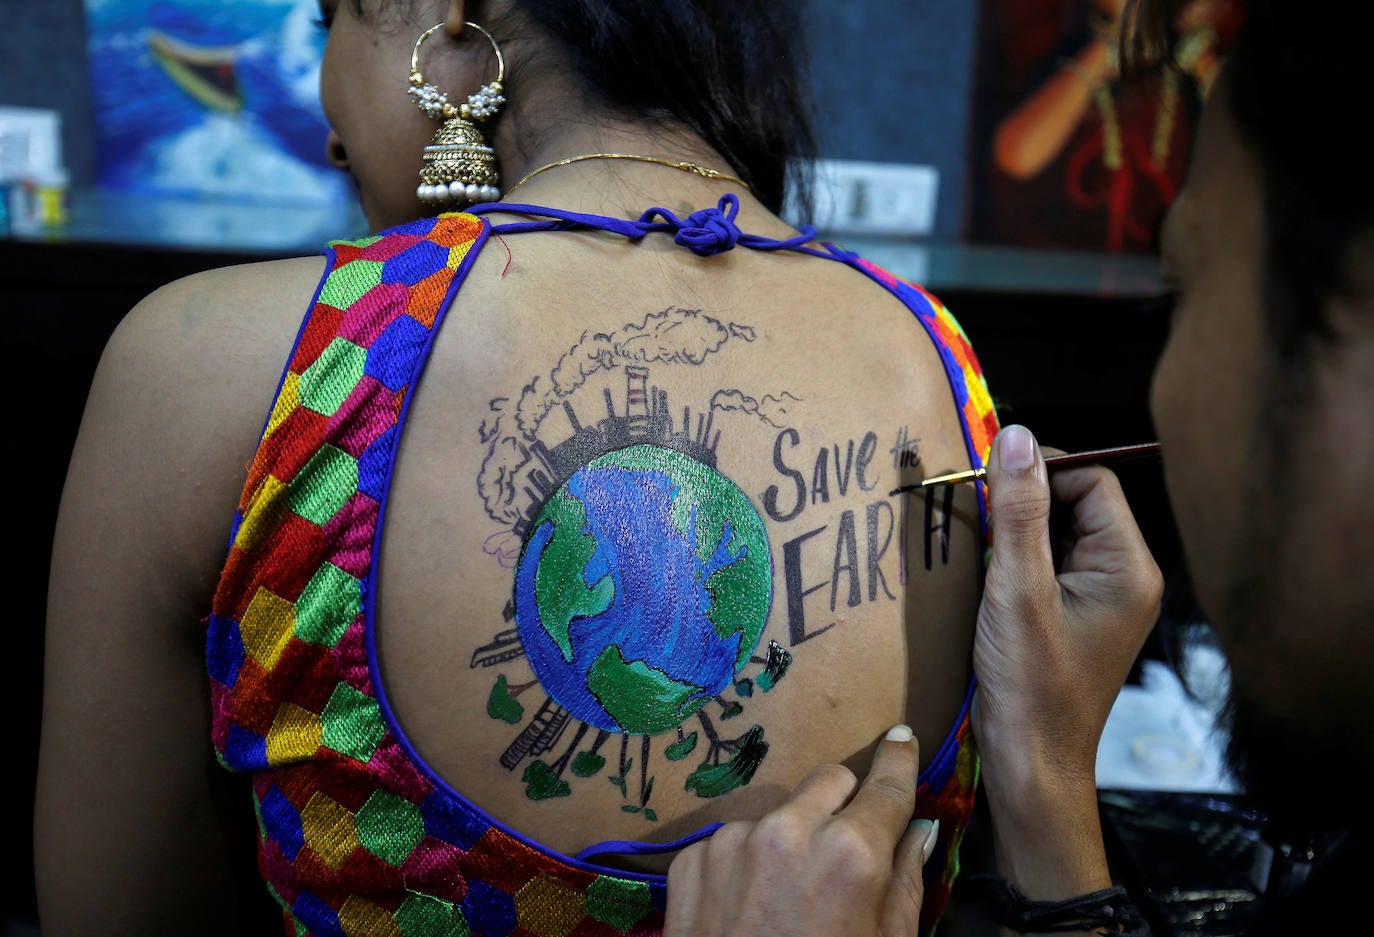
673,336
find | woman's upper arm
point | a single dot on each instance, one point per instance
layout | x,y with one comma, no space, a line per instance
130,834
944,400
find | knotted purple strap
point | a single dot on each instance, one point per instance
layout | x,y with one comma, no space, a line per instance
706,233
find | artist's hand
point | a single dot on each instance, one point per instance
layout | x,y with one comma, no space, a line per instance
839,857
1051,653
1054,647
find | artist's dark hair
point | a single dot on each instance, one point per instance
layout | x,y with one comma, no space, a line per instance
1296,75
734,71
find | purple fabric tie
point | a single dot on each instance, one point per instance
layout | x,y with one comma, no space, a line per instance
705,233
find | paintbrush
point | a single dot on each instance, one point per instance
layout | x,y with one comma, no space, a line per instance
1062,460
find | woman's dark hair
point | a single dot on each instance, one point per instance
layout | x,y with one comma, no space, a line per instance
1295,76
734,71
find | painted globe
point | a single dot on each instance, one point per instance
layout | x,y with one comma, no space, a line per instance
643,587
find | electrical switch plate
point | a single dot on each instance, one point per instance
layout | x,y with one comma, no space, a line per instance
854,197
30,141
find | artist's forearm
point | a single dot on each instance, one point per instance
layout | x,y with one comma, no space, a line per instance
1046,827
1051,853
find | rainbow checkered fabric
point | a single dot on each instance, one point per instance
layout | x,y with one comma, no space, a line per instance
953,805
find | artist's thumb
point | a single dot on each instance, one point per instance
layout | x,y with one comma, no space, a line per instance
1021,570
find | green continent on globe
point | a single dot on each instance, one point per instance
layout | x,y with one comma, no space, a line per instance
636,694
559,581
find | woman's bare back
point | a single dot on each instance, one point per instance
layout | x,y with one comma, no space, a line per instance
808,393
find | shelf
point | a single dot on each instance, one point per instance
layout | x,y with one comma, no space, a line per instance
123,219
991,269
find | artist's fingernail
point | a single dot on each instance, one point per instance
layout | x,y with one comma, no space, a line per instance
1016,448
928,849
931,828
900,734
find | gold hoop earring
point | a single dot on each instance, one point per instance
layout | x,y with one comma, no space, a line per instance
459,166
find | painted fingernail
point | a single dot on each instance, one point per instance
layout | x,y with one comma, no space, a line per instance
1016,448
930,829
928,849
900,734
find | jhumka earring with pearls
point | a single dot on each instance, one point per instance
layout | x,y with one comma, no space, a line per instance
459,165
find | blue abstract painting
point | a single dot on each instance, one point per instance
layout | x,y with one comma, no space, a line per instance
205,98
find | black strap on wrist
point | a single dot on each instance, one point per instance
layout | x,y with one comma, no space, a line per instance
1110,911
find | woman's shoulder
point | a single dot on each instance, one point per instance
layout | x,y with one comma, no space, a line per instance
226,298
218,327
187,375
174,410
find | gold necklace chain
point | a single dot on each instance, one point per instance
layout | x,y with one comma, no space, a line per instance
697,169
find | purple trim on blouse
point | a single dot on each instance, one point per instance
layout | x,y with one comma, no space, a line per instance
705,233
633,847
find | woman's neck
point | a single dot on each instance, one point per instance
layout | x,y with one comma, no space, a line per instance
533,142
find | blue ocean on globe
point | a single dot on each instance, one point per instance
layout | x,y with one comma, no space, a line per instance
618,593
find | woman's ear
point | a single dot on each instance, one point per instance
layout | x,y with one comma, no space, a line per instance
455,18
